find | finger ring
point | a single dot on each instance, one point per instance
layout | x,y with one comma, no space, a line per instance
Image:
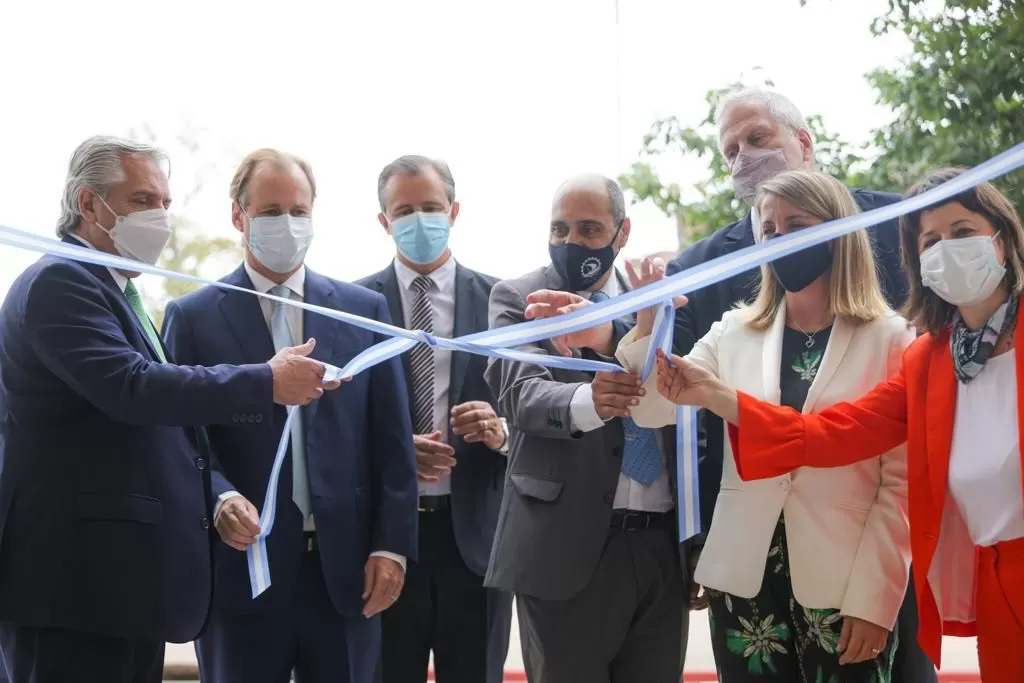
875,650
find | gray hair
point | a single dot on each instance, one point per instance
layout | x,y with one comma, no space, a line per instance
414,164
96,165
779,107
616,201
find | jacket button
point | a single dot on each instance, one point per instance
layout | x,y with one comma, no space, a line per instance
784,484
200,463
234,418
205,522
259,418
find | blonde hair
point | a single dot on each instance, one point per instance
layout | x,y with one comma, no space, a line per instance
854,292
253,160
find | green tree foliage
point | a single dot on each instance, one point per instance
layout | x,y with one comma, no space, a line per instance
958,98
191,249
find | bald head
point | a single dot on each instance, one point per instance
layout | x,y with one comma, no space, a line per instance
588,211
595,187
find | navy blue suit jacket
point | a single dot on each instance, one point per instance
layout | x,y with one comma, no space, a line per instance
104,522
706,307
359,452
479,478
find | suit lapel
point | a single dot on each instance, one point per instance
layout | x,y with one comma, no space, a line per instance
838,343
388,285
465,323
941,410
245,319
771,357
319,293
103,273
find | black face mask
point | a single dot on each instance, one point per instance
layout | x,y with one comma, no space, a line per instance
796,271
581,267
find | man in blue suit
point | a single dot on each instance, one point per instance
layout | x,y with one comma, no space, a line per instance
104,518
346,516
461,444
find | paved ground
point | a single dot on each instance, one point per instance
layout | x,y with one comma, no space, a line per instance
959,654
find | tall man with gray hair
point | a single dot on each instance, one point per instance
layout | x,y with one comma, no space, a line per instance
105,526
762,133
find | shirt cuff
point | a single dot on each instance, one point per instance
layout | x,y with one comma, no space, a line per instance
583,415
503,450
221,499
391,556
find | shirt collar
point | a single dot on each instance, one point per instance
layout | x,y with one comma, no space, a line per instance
296,283
443,276
119,279
610,289
755,225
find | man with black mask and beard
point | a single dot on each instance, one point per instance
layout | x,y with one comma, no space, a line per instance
586,534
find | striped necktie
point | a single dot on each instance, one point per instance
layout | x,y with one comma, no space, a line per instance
421,358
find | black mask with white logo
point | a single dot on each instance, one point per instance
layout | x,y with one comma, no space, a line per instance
581,267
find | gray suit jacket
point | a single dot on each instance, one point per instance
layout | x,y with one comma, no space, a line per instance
560,485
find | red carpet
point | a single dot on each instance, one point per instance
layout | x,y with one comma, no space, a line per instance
710,677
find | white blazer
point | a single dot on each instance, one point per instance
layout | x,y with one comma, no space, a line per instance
846,527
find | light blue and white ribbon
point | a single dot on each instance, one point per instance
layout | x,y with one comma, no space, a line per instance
501,343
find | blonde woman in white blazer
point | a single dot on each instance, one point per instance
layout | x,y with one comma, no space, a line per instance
805,573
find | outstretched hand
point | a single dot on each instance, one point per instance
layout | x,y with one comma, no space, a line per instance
548,303
651,270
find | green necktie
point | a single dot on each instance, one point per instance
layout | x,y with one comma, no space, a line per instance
135,301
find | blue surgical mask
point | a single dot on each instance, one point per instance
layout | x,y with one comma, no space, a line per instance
421,237
280,242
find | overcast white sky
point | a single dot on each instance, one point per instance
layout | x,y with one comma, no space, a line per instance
516,96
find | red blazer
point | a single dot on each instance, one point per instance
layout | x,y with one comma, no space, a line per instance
916,405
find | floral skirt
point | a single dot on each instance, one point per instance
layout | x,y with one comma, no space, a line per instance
772,638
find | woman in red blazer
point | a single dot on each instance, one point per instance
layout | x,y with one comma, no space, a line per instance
958,402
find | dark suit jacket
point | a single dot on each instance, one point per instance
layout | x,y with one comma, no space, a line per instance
706,306
478,478
103,514
358,447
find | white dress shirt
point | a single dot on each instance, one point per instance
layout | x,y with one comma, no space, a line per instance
296,285
984,460
119,279
442,303
629,494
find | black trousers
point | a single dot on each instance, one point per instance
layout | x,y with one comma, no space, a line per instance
33,655
445,608
911,664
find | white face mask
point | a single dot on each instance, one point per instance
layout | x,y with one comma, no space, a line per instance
962,271
280,242
141,235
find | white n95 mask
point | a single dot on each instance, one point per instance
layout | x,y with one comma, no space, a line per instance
141,235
